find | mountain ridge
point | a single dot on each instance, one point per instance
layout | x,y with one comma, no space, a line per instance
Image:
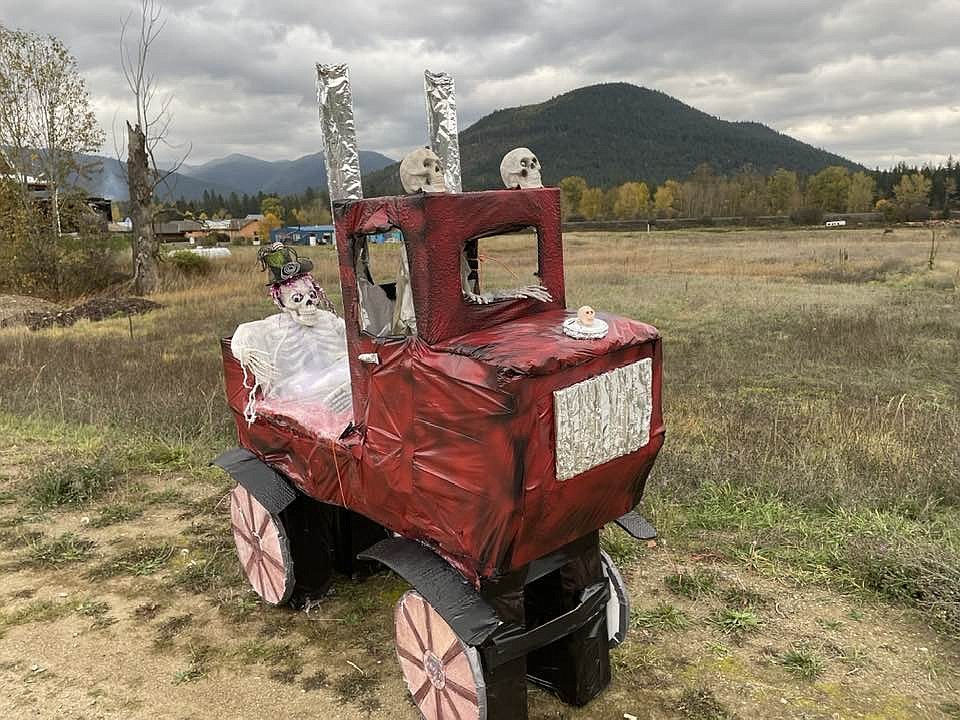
250,175
234,173
611,133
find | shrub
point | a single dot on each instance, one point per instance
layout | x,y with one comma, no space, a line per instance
916,212
239,240
189,263
213,239
35,260
71,483
807,216
922,575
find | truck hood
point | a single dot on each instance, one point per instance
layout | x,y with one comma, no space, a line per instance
537,345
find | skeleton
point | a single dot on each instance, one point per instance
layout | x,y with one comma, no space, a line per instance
520,169
420,171
298,355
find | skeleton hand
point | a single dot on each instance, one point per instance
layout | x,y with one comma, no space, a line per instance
475,299
257,362
340,399
535,292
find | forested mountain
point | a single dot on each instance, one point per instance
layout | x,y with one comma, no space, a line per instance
612,133
246,174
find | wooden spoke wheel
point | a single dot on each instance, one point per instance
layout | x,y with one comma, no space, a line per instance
443,674
618,606
262,546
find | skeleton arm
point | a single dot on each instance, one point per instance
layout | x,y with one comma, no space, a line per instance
534,292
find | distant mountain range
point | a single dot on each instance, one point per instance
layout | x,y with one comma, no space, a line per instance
234,173
281,177
609,134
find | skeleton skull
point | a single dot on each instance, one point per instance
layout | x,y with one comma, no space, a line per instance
300,298
520,168
421,171
585,315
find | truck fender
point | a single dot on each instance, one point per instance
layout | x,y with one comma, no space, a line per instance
637,526
270,488
458,603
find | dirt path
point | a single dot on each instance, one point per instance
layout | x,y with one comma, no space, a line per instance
134,608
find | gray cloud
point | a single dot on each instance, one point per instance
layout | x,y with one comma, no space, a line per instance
875,81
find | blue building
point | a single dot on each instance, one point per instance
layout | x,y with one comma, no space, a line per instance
323,235
304,235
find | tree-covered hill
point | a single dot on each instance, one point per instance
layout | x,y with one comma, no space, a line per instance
612,133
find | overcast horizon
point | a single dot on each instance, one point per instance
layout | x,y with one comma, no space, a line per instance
875,82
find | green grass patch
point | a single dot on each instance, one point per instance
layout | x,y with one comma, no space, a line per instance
69,483
117,513
64,550
736,622
691,584
662,617
801,663
207,575
144,560
198,667
35,611
622,547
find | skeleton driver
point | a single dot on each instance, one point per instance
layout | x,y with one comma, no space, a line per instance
299,354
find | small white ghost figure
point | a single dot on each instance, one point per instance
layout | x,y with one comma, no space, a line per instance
520,168
585,325
421,171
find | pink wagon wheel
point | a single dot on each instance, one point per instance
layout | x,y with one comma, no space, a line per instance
262,546
443,674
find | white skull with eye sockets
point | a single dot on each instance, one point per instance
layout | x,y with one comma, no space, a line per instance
421,171
520,168
586,315
299,299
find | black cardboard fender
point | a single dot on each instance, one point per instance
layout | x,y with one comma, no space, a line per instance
464,610
270,488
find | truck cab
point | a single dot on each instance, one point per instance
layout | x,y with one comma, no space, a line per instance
490,434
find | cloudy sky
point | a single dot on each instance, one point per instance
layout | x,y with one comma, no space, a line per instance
877,81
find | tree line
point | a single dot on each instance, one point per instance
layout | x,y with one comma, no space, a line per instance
901,193
311,207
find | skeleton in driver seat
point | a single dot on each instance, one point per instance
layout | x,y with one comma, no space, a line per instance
298,357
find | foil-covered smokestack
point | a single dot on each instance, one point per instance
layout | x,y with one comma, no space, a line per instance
442,125
339,134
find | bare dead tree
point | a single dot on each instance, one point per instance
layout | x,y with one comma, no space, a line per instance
149,131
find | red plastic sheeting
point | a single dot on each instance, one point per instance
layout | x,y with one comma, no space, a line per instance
454,430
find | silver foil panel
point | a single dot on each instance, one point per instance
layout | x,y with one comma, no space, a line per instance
602,418
339,134
442,125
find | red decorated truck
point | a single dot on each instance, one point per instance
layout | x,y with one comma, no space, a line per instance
482,457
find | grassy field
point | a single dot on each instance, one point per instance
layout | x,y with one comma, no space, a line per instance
807,497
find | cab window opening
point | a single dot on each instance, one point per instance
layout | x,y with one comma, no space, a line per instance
503,266
383,285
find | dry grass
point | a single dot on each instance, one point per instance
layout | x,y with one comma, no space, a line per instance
812,400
